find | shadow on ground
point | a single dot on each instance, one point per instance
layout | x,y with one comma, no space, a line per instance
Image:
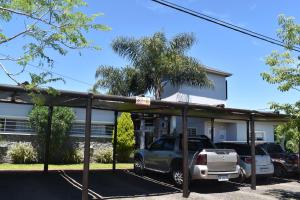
269,181
283,194
104,184
204,186
36,186
107,184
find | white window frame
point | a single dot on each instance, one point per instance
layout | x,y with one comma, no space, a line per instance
263,135
190,128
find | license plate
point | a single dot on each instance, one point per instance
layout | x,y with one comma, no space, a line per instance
223,178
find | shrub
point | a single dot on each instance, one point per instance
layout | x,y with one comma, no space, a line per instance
72,156
126,140
62,119
21,153
103,155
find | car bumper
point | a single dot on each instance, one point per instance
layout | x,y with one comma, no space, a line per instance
201,172
292,167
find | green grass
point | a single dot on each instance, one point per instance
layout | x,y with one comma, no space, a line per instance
7,166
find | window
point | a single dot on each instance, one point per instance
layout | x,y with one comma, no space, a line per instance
197,144
148,122
15,126
157,145
192,131
78,128
274,148
259,135
2,123
243,149
168,144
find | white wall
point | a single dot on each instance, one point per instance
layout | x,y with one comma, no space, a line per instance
241,129
266,127
100,116
197,123
218,92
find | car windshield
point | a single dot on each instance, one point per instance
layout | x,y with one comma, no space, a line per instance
197,144
274,148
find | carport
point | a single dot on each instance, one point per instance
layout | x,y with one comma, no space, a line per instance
89,101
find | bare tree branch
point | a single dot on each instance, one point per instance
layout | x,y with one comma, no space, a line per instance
9,74
15,36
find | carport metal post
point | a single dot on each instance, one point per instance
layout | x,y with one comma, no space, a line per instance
47,139
253,162
299,152
212,122
247,122
185,163
115,141
87,140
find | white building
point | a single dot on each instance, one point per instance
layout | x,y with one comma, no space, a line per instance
224,130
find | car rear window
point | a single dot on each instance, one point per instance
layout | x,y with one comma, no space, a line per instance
197,144
243,150
274,148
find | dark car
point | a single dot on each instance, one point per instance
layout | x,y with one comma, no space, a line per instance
283,161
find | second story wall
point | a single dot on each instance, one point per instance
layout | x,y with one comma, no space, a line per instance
215,95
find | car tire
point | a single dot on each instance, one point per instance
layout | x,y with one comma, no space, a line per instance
242,176
279,171
177,177
138,166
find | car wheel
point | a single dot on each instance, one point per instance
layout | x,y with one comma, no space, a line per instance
177,176
279,171
242,177
138,166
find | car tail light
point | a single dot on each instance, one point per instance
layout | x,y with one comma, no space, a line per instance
247,160
201,159
237,159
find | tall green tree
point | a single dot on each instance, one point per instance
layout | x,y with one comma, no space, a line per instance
126,141
156,61
41,28
285,72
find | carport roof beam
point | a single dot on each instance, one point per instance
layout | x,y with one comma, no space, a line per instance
19,95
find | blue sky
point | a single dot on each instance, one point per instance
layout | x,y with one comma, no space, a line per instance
216,46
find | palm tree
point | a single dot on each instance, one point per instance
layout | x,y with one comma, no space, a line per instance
155,62
119,81
159,61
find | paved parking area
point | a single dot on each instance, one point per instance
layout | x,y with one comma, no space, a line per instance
104,184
